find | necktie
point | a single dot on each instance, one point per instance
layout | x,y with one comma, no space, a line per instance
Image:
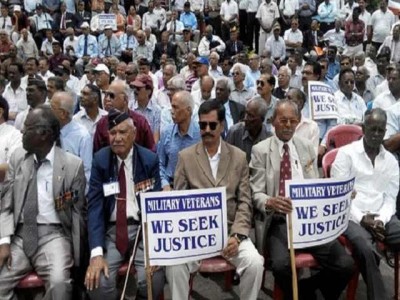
235,47
85,47
315,38
108,50
30,229
4,23
122,224
188,47
286,170
63,21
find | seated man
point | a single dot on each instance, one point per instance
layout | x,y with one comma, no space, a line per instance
214,163
372,212
113,218
274,160
43,211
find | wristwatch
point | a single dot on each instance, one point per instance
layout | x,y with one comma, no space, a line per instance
239,237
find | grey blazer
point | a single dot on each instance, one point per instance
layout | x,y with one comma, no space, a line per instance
264,177
68,175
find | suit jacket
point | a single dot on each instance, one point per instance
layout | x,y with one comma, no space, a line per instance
265,173
70,21
309,40
237,111
80,19
193,171
230,48
160,50
103,171
182,49
68,175
279,93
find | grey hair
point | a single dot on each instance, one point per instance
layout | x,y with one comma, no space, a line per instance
186,98
215,54
226,82
288,102
172,66
178,82
241,67
287,69
67,103
262,107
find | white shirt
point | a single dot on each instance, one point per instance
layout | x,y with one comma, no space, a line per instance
381,23
10,140
293,37
267,13
161,98
309,130
132,207
228,9
6,24
350,111
228,116
376,186
204,45
289,7
73,44
215,74
214,161
43,21
393,120
16,99
82,118
252,6
394,48
384,100
196,5
297,171
46,76
335,38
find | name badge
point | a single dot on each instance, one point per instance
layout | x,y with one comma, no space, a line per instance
111,188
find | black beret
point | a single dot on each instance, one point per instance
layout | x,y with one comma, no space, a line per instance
116,117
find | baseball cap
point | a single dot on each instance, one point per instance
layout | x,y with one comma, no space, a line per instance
85,25
202,60
102,68
142,80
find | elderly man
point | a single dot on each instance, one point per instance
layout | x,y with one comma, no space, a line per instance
215,70
393,42
206,92
240,93
362,86
208,164
87,48
210,43
74,138
15,92
110,45
114,217
117,96
43,211
372,213
252,130
174,85
143,87
284,75
265,85
183,133
143,48
274,160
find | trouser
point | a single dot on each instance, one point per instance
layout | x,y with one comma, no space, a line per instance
249,265
242,25
215,21
376,45
52,262
336,266
262,39
368,258
107,288
304,23
351,51
253,31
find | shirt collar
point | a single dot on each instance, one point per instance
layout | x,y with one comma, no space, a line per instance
218,151
191,130
49,157
360,148
128,159
280,146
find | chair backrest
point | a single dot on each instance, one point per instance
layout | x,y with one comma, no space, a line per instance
342,135
327,162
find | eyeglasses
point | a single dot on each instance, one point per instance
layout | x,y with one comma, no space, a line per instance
236,74
203,125
260,82
110,94
307,73
349,82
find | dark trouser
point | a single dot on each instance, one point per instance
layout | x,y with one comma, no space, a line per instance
364,250
336,266
253,31
39,36
324,27
215,22
242,24
376,45
304,23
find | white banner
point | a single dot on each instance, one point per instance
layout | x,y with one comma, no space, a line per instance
184,226
320,209
107,19
322,101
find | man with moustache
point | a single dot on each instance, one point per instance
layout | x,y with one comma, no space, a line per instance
114,218
211,163
43,211
274,160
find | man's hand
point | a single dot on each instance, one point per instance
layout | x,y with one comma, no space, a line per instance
97,265
231,249
374,226
321,150
279,204
166,188
5,256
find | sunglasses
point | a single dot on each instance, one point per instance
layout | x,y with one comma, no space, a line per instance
260,82
203,125
110,94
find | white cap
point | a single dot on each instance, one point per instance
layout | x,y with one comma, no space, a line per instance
102,67
17,8
85,25
108,27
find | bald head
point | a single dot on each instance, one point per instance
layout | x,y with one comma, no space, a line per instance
63,105
206,87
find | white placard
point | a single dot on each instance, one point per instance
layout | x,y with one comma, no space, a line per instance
322,101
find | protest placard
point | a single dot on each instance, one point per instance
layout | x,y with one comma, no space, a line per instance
322,101
107,19
320,209
184,226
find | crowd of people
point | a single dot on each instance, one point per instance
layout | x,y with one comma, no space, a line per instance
189,95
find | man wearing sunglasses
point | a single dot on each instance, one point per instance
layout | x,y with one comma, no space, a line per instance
214,163
274,160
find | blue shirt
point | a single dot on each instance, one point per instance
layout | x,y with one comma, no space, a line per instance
189,20
333,69
92,49
128,42
152,113
171,142
76,140
112,49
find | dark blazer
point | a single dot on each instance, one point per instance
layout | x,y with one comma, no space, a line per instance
279,93
70,21
309,40
103,171
237,111
160,50
230,48
80,19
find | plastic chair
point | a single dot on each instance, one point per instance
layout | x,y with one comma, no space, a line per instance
342,135
327,162
216,264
